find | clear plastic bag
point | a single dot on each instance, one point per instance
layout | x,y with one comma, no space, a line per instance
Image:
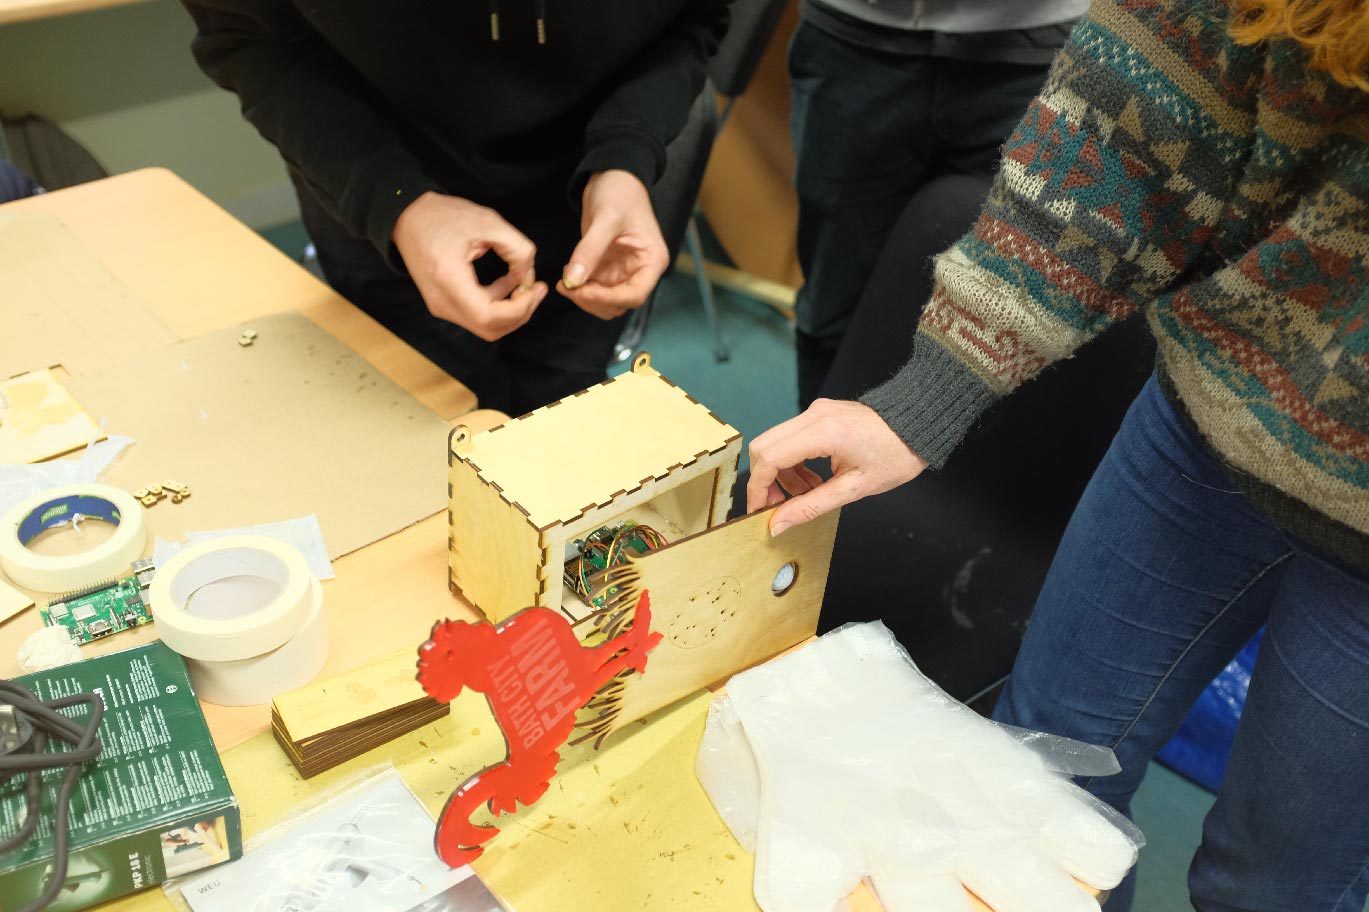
21,481
847,763
366,844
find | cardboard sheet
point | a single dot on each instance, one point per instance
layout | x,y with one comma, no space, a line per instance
59,305
39,418
12,601
297,423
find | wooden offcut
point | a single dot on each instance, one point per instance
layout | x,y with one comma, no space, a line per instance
328,722
39,419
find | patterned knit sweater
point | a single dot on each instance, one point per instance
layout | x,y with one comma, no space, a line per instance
1224,190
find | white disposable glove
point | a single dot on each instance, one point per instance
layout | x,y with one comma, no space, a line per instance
48,647
842,762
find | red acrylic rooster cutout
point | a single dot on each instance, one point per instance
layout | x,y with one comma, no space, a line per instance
536,676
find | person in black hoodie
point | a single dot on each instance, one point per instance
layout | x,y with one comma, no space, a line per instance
447,155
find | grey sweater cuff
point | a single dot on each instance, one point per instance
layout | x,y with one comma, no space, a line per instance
932,402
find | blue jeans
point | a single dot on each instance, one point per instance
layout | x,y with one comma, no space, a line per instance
15,184
1162,576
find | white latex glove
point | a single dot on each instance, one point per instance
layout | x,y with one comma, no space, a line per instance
48,647
847,764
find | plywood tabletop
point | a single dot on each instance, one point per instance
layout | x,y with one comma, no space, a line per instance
24,10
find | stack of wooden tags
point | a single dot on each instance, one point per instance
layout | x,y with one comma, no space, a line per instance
329,722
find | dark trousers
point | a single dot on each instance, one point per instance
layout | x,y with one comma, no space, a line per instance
560,351
15,184
870,128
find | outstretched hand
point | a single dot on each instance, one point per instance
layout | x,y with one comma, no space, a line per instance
867,458
621,255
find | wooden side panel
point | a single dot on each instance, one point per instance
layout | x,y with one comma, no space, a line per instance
689,505
494,551
712,599
550,570
726,481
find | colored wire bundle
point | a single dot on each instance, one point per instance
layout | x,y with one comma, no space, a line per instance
629,538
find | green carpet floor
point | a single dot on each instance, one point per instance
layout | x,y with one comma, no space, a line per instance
754,389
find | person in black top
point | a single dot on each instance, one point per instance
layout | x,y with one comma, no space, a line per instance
899,110
451,157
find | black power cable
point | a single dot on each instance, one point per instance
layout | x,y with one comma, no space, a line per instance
85,746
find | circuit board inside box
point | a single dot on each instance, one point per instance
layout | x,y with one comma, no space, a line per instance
601,549
105,609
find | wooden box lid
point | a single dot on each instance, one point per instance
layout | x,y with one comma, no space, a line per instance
582,452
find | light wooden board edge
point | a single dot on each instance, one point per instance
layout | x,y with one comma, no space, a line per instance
30,10
780,297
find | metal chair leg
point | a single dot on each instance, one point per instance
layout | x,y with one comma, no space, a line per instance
720,349
310,262
635,330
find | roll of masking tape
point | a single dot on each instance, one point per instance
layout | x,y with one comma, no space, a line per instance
24,521
259,679
241,648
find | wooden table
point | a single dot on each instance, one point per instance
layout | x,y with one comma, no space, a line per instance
169,245
198,269
24,10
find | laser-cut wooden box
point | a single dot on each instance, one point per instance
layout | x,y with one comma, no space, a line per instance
634,447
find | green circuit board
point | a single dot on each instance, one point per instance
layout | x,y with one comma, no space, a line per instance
602,548
102,610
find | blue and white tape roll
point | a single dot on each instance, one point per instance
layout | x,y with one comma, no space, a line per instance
57,506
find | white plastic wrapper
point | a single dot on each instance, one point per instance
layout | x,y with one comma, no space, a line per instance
18,482
367,844
727,769
842,762
303,534
48,647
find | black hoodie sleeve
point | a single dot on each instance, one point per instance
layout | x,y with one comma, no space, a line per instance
648,106
307,101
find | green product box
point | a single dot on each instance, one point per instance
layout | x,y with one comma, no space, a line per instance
154,805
